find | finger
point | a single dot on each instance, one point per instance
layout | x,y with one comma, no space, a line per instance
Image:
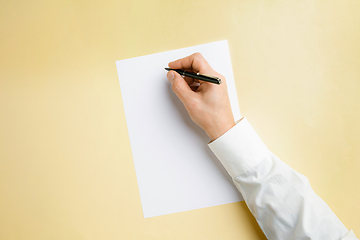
180,87
194,88
189,80
196,62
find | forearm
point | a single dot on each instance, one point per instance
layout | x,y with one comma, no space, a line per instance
281,199
285,205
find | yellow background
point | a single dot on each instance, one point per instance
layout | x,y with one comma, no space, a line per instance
66,168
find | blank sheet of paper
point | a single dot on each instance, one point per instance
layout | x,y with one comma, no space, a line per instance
175,169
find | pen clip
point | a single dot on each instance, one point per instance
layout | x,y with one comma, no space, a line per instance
210,76
207,75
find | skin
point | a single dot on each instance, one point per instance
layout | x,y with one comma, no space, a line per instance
208,104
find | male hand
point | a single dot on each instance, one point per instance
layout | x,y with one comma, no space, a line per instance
208,104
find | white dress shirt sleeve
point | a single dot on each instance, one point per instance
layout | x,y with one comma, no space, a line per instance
282,200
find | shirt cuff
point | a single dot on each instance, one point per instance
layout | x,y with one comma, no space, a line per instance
239,149
349,236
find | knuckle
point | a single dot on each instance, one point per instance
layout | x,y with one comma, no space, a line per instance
200,62
198,55
175,85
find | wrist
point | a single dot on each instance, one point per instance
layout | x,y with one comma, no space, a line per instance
214,132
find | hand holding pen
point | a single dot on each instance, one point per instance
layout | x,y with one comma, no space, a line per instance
207,103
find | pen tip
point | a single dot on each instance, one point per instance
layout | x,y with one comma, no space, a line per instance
168,69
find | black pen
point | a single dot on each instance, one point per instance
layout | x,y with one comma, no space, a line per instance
202,77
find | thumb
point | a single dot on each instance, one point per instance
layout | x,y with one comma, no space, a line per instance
180,87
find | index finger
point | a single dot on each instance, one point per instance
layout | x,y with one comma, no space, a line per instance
195,62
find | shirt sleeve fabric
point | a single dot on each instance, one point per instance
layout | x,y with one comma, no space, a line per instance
282,200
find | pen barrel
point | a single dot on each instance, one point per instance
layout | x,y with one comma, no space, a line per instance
207,79
200,77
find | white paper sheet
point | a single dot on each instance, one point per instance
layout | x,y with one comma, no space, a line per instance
175,169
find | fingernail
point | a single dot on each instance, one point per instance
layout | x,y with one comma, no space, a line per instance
170,76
